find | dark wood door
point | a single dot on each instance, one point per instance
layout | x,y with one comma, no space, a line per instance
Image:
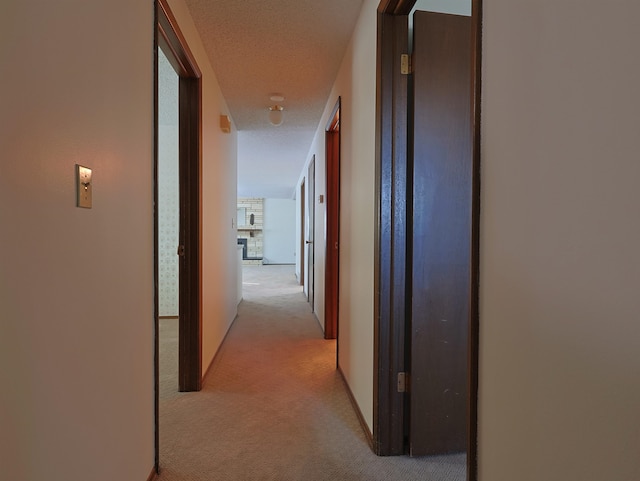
311,222
190,327
441,233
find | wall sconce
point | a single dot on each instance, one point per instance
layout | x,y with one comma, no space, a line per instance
225,124
275,115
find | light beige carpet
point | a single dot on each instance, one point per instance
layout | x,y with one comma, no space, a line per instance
273,406
168,359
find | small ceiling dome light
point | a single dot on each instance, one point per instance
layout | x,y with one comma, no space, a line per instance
275,114
275,111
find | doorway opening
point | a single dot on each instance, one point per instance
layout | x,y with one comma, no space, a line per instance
168,208
170,44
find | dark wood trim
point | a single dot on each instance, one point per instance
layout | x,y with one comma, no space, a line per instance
153,475
474,318
396,7
390,281
356,408
173,43
156,287
190,345
332,194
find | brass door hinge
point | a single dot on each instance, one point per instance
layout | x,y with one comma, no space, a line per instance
405,64
403,382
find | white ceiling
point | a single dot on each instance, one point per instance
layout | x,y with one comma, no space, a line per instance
259,48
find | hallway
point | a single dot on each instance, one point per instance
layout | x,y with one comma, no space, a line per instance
273,406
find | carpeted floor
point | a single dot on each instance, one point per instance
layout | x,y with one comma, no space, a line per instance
168,359
273,406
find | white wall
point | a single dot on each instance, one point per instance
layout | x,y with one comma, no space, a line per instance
356,84
560,230
76,285
219,194
279,231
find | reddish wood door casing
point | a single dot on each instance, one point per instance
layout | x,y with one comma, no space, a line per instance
332,263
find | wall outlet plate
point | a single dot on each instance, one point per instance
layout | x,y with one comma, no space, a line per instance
84,186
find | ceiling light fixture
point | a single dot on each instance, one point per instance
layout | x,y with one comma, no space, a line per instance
275,111
275,114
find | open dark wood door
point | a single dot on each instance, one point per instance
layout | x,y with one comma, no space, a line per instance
442,233
190,250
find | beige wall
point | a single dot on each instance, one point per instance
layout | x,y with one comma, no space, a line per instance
560,230
356,85
76,285
219,193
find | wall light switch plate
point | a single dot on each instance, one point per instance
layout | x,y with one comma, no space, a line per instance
84,186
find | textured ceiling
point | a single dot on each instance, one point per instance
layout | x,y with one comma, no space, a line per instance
259,48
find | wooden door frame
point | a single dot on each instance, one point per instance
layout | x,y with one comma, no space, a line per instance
391,239
332,257
169,38
390,246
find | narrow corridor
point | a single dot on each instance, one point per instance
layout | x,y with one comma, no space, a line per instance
273,406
